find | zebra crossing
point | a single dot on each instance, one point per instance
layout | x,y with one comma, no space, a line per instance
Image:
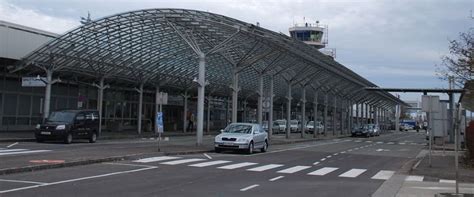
256,167
385,142
6,152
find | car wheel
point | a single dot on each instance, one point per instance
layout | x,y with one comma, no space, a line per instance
93,138
250,148
68,139
217,150
265,147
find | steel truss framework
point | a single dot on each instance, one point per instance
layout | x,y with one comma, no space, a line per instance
162,47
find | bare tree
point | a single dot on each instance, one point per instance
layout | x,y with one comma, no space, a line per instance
459,63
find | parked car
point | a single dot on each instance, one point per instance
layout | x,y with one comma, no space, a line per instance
360,130
276,126
295,126
311,127
281,126
67,125
242,136
374,129
403,127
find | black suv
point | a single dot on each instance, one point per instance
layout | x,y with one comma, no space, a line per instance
68,124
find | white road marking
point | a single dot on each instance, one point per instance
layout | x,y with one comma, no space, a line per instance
209,163
329,156
343,152
295,148
154,159
182,161
358,141
390,143
353,173
316,163
349,150
413,143
383,175
323,171
402,143
414,178
335,154
23,152
265,167
356,148
446,181
20,181
12,144
276,178
11,150
128,164
209,157
249,187
235,166
379,142
294,169
323,159
77,179
368,141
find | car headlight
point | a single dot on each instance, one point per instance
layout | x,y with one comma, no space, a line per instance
61,127
38,126
242,140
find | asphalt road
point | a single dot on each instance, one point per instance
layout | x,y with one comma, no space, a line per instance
335,167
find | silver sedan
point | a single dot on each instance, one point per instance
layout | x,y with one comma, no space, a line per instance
242,136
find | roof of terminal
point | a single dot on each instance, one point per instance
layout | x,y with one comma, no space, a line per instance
157,46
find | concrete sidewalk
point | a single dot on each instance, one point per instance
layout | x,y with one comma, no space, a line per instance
443,167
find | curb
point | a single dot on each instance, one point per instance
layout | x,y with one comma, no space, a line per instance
8,171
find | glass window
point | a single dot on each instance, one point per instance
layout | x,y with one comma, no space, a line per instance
24,106
236,128
10,104
61,103
37,104
62,116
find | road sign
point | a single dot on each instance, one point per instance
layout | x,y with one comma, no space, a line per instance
159,121
162,98
430,103
33,82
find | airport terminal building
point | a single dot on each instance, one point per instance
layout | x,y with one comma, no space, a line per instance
251,74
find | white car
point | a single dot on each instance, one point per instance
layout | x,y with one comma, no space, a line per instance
295,126
281,126
310,127
242,136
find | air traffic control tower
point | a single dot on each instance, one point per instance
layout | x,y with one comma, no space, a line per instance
314,34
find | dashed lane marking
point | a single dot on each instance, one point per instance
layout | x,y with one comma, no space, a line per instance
276,178
249,187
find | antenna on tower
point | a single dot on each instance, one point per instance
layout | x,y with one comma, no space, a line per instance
87,20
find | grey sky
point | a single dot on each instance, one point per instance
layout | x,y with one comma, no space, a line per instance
391,43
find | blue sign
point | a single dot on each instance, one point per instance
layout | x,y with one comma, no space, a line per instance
159,121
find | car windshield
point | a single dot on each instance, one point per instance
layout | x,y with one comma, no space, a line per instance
280,122
61,116
293,122
311,123
236,128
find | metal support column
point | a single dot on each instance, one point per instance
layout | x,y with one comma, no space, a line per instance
325,114
157,105
270,112
185,110
303,111
334,112
47,94
140,108
208,122
342,117
260,100
288,112
367,119
357,114
235,95
315,114
451,116
200,102
100,100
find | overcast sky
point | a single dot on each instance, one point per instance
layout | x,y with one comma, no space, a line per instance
391,43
